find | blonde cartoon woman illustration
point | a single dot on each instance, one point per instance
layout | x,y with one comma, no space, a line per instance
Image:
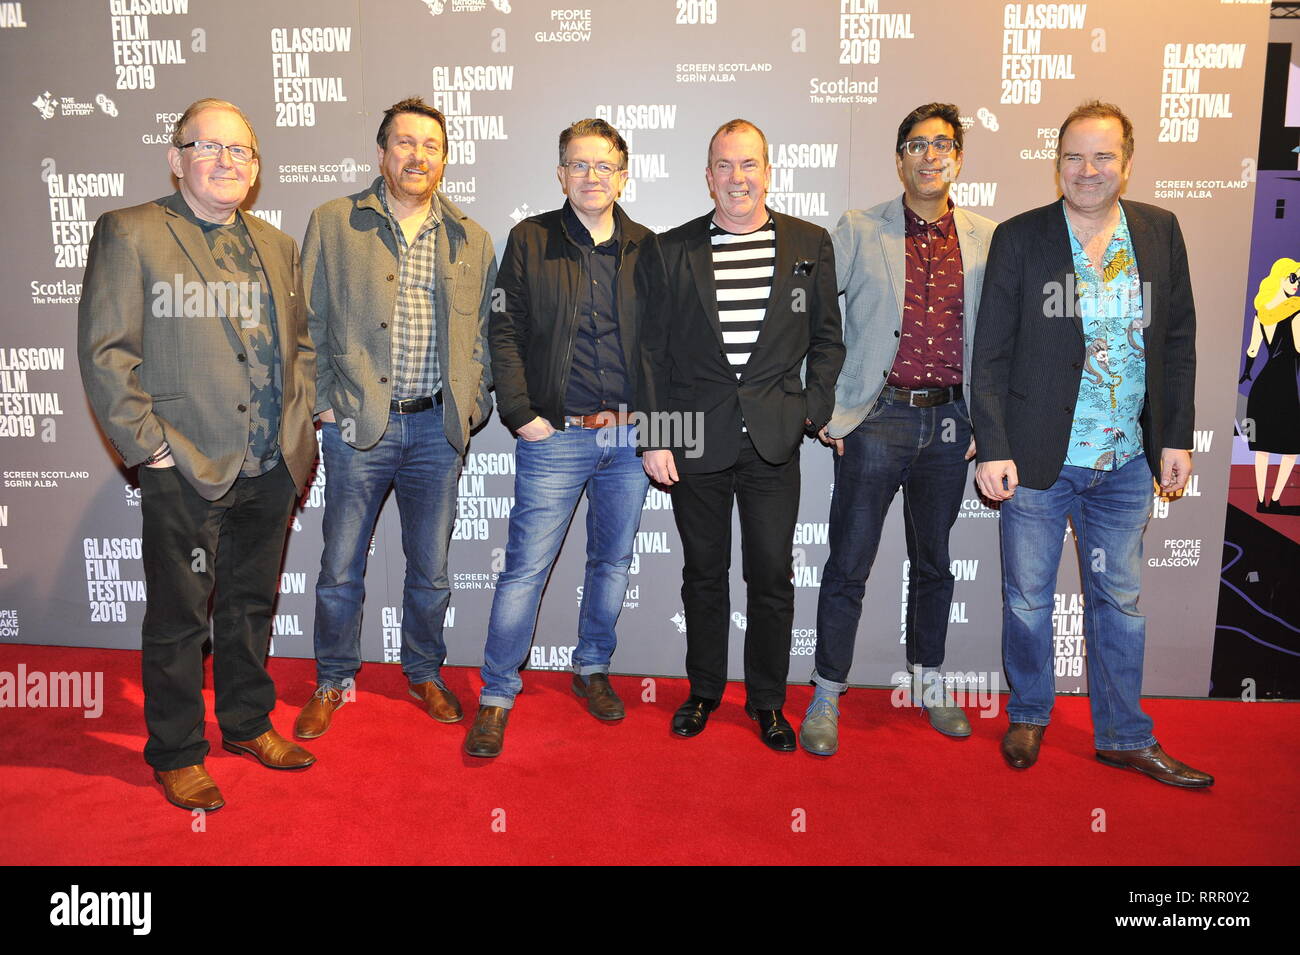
1273,408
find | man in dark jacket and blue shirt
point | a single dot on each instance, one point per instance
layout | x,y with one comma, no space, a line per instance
564,337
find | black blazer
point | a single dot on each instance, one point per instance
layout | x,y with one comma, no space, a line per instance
1029,343
686,371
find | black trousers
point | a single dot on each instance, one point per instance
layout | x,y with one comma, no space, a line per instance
192,546
768,496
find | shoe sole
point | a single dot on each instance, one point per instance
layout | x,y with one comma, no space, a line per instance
244,751
482,755
436,719
816,752
1160,779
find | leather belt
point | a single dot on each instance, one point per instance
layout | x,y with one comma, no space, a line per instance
922,397
412,405
601,419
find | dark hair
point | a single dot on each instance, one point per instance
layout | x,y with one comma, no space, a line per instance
1096,109
594,127
735,126
412,104
944,111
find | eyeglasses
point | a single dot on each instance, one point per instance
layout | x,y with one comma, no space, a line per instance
1294,278
578,169
207,149
917,147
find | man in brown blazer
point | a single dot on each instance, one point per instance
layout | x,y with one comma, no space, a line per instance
195,356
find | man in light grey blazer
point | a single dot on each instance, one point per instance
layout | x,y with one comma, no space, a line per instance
196,360
398,282
910,270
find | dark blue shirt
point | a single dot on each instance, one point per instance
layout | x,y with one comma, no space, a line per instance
598,375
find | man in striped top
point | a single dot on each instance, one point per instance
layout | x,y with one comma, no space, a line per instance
748,299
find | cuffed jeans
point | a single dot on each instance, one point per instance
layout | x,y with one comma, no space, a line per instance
923,450
414,458
550,476
1109,510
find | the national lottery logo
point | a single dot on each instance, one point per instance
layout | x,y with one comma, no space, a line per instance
45,104
438,7
522,212
679,621
106,105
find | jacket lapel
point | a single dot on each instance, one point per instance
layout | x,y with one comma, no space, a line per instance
783,271
1150,263
190,238
699,259
1058,259
893,248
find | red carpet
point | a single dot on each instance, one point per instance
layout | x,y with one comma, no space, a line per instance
391,786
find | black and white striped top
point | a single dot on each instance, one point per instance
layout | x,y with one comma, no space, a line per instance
743,266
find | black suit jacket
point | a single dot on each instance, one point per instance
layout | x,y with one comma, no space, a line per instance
685,369
1029,342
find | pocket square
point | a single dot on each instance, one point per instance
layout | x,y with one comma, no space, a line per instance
803,267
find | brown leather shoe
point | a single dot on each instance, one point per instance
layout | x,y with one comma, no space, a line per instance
1157,764
488,733
441,704
315,717
1020,745
190,787
602,702
273,751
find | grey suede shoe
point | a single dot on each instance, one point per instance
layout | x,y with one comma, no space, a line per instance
819,733
949,719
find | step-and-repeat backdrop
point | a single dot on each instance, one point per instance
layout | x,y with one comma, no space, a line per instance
92,89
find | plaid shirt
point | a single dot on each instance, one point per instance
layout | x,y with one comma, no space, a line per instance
415,353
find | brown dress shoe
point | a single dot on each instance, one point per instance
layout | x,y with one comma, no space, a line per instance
488,733
315,717
1020,745
273,751
190,788
602,702
441,704
1157,764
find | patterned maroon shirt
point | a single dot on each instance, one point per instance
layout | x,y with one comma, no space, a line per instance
930,345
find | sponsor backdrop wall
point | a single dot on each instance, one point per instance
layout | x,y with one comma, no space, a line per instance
92,88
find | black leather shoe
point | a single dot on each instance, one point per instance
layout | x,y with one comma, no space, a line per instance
1021,743
1159,765
773,729
691,716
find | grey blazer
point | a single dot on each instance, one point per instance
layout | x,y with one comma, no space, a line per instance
350,265
153,374
870,267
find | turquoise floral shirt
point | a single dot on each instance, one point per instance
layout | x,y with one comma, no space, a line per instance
1106,434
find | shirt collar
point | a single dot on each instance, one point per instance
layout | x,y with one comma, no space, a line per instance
914,225
433,207
580,234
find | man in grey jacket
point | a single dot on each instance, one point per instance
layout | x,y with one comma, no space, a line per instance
911,271
398,283
196,360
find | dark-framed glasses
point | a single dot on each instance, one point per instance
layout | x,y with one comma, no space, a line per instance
578,169
917,147
207,149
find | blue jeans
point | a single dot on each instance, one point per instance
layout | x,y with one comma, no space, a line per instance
414,458
1109,510
922,450
550,477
